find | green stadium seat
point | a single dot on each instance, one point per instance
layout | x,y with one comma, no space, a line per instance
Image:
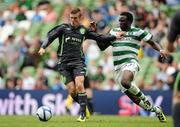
51,78
45,28
35,28
144,66
176,56
31,70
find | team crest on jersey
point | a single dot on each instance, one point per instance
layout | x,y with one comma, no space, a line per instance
82,30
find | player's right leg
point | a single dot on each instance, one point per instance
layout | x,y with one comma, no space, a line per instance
70,84
82,97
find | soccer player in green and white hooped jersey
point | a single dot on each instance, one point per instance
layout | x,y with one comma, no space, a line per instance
126,64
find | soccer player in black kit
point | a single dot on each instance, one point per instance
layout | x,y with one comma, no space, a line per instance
71,61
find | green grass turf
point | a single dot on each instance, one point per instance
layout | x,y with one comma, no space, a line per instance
94,121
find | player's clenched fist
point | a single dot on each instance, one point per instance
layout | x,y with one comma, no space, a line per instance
41,51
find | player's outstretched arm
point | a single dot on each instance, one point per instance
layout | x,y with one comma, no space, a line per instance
51,36
164,54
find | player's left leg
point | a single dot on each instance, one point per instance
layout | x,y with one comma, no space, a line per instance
136,92
126,78
87,86
74,96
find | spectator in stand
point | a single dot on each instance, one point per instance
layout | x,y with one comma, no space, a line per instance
98,78
51,15
111,85
97,16
160,83
67,10
41,77
37,17
40,84
9,84
19,84
11,74
28,81
2,21
23,41
58,85
7,29
21,14
12,53
51,63
32,53
25,3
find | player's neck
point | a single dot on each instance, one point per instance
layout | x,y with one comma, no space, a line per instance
75,26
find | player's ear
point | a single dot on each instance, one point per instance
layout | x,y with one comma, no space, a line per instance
80,15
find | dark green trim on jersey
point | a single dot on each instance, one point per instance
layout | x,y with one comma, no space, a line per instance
62,44
126,44
133,37
125,60
134,29
117,53
85,70
143,35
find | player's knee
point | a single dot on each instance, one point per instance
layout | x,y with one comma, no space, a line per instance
127,79
71,88
80,87
73,93
125,83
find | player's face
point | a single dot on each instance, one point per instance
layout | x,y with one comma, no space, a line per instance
123,22
75,19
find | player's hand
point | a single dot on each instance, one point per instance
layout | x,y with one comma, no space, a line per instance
120,34
164,54
41,51
93,26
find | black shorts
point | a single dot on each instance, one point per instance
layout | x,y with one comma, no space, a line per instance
70,71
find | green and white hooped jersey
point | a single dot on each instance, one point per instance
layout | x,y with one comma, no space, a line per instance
126,49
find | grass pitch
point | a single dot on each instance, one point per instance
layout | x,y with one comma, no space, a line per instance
94,121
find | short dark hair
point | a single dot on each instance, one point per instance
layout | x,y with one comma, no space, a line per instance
75,11
128,15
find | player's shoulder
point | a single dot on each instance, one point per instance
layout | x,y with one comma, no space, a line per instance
58,27
135,29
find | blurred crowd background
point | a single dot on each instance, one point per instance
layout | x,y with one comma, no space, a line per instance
24,24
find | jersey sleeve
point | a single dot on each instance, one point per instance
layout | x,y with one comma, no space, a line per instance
99,37
103,41
144,35
52,35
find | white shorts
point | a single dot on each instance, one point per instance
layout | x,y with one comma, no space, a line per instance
132,66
